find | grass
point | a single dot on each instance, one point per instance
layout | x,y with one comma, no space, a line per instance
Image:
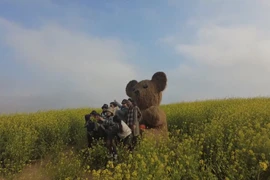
213,139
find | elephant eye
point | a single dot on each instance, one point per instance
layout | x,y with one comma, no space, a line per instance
145,86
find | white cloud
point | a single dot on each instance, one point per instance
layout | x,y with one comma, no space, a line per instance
228,56
95,67
228,46
225,49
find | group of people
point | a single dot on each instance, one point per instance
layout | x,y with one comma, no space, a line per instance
120,122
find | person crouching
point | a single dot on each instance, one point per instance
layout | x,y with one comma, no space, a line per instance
111,128
124,133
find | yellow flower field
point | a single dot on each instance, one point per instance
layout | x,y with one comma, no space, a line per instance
213,139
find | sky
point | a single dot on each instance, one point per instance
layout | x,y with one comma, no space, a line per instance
57,54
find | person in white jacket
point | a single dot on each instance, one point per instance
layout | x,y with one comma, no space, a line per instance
124,133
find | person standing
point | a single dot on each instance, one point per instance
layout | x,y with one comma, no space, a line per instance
122,113
114,106
133,120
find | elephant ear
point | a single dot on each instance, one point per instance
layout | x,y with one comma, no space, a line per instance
160,80
129,87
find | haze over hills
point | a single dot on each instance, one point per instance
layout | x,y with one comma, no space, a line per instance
45,102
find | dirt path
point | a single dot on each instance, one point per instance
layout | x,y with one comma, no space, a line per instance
37,170
34,171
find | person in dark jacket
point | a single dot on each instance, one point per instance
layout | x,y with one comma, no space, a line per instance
123,112
111,128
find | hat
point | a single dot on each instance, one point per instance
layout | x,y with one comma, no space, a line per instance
94,113
113,103
105,106
110,110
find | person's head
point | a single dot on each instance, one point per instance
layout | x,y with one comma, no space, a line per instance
95,115
129,104
104,107
113,104
124,103
93,112
109,112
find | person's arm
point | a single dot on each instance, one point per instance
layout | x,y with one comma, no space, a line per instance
108,122
135,117
139,113
103,115
118,104
101,120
